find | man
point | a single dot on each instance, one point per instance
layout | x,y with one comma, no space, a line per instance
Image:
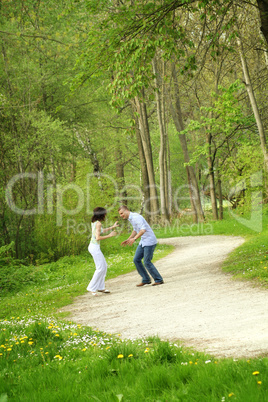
145,249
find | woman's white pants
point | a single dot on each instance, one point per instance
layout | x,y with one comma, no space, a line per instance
98,280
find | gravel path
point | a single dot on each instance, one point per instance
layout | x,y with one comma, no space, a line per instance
198,305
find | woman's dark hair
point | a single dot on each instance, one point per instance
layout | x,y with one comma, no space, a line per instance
99,214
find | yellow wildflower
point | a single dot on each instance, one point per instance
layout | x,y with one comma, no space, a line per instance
58,357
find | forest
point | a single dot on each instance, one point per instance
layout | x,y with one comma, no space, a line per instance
160,105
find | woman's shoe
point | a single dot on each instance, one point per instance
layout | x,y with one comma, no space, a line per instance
104,291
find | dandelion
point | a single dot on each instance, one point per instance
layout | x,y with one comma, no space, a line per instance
131,355
259,382
120,356
58,357
108,347
255,373
83,350
231,394
30,343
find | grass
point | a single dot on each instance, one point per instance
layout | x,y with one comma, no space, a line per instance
46,358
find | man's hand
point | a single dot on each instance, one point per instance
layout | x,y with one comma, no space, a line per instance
128,242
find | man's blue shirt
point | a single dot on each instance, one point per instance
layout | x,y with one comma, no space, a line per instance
139,223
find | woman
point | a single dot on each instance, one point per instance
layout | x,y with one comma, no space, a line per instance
97,282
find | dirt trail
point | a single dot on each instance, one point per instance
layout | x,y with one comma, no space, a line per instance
198,304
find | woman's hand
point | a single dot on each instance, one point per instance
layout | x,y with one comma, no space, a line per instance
113,233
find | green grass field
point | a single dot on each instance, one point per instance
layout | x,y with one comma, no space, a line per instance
46,358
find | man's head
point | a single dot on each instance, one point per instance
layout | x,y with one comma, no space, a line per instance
124,212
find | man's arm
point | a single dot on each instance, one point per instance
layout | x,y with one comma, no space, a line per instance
133,237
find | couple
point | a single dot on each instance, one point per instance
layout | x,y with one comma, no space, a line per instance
145,249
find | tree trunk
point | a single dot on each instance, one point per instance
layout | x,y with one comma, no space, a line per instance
263,10
192,181
153,210
253,103
213,198
163,146
120,174
193,206
144,172
220,199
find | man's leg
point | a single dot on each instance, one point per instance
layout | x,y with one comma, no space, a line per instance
139,265
148,256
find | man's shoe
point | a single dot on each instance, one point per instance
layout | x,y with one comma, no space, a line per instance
143,284
158,283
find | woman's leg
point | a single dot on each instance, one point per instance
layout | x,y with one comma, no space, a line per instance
98,280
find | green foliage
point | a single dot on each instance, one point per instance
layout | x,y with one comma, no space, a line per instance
223,120
15,275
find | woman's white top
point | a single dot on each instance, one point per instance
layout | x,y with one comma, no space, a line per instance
93,236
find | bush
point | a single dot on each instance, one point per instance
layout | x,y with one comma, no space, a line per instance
14,275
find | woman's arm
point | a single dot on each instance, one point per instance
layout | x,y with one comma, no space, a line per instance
115,225
98,233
